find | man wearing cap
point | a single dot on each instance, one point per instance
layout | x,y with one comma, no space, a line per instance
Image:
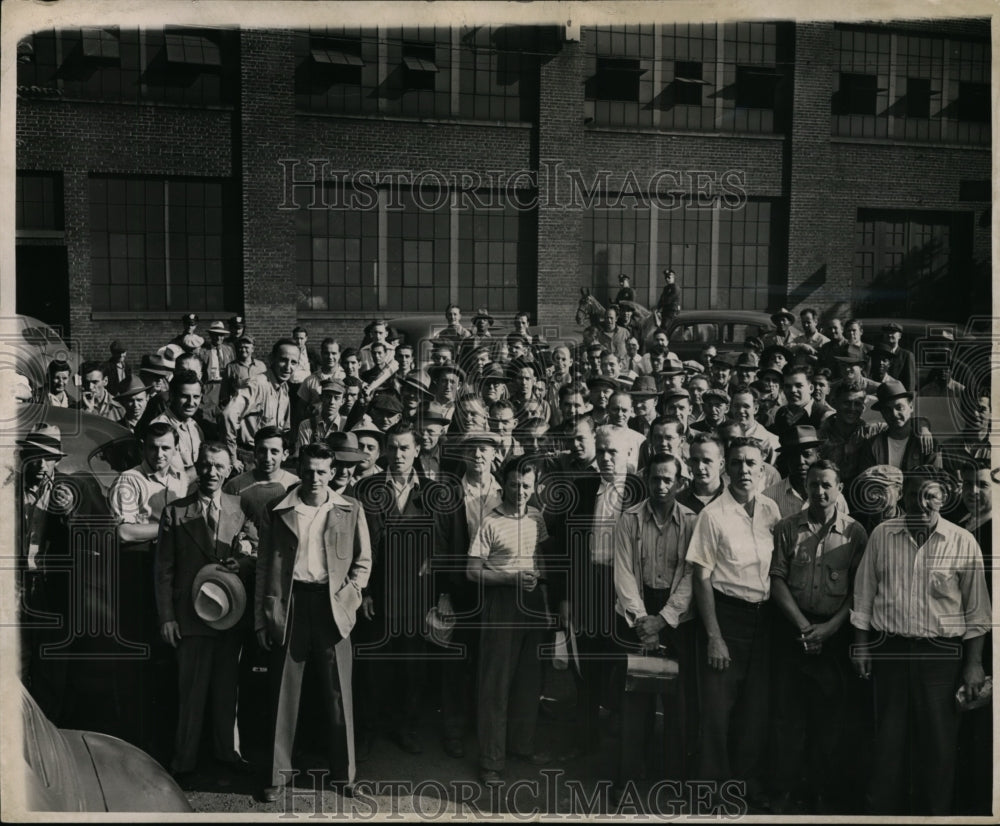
413,394
482,322
877,494
625,291
921,611
903,365
156,372
601,390
851,365
609,335
715,406
201,529
215,355
347,455
370,440
503,420
430,425
237,327
189,323
747,365
799,452
324,421
669,304
95,397
941,382
644,394
312,565
58,376
386,410
721,371
810,336
731,550
800,408
117,368
185,399
696,387
816,554
783,333
42,531
240,370
263,401
133,398
901,444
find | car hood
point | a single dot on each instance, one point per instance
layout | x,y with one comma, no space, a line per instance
123,778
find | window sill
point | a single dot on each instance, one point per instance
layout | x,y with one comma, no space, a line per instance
913,144
58,97
677,133
207,316
513,124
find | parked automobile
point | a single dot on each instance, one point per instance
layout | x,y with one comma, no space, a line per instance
82,771
28,345
691,332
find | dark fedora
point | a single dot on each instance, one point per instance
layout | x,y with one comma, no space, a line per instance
483,313
644,387
434,413
345,447
888,391
783,313
799,438
602,381
438,370
134,387
157,365
44,440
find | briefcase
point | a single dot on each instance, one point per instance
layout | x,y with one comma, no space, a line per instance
651,672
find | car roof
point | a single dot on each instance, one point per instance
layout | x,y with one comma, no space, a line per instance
724,316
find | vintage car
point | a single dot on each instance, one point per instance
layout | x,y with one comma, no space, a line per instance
691,332
83,771
28,345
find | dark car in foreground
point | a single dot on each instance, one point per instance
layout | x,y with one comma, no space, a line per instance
83,771
691,332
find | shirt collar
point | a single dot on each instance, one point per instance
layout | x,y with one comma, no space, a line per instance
292,499
673,515
839,523
149,473
215,497
898,525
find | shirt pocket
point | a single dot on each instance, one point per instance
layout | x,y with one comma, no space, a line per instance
835,580
944,586
799,571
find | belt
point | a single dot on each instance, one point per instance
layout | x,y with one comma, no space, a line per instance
736,602
298,585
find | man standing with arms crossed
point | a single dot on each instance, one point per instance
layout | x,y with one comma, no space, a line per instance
731,550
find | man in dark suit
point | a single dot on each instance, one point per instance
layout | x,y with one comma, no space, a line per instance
205,527
313,561
581,572
118,370
901,444
401,522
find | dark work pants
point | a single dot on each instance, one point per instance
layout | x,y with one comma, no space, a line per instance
458,679
808,713
207,670
402,672
734,701
510,674
313,637
915,682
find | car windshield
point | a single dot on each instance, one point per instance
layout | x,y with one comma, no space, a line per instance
712,333
115,457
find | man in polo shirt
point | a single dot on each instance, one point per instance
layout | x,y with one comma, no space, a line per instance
262,401
901,444
921,610
903,366
653,588
816,554
731,550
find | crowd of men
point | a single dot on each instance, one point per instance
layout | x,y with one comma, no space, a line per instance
415,517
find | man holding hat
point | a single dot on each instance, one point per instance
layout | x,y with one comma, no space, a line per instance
215,355
241,369
900,445
313,563
783,333
903,365
117,369
199,608
921,611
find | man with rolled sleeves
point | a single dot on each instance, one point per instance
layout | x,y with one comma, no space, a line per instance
731,549
921,611
654,603
816,554
312,564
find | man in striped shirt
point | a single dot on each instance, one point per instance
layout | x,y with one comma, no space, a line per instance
921,610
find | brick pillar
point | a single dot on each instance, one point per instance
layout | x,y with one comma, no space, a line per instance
266,135
560,140
819,273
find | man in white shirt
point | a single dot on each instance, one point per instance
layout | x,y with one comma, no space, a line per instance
185,399
811,334
731,550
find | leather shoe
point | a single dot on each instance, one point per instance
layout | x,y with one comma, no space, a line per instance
238,766
488,777
538,758
408,742
453,747
269,794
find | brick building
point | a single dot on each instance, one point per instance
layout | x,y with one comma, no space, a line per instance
325,177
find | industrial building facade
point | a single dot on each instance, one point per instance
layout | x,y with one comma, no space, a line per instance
328,176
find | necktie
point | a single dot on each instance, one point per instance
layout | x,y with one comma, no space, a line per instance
212,518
